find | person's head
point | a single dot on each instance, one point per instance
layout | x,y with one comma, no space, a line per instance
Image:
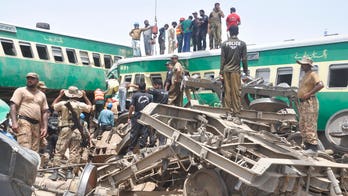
217,6
181,19
190,17
146,22
142,86
136,25
73,92
157,83
234,30
42,86
174,24
174,59
232,10
195,14
166,26
201,12
306,63
109,106
32,80
169,65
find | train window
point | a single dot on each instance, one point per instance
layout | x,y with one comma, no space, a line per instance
154,77
57,53
116,58
71,55
338,75
42,51
263,73
209,75
196,75
302,73
96,59
84,57
107,61
284,75
26,49
139,78
128,78
8,47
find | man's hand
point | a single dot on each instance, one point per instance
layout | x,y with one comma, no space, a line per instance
15,127
83,93
43,132
306,96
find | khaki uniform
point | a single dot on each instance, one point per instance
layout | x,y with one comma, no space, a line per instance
30,105
308,109
68,138
215,29
171,40
175,94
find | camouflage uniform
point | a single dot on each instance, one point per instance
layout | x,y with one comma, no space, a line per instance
28,135
308,120
68,138
175,92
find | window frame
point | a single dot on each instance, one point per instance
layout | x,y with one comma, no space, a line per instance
262,70
73,51
46,50
8,41
53,48
26,47
84,56
283,68
345,66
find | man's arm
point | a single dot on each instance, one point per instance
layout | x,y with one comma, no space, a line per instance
222,59
318,86
13,115
245,60
130,112
88,102
56,100
43,123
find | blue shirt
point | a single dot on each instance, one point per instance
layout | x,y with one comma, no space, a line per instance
106,117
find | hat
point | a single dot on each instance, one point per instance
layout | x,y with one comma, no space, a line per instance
136,24
41,85
305,61
32,75
73,92
182,19
109,106
174,56
194,13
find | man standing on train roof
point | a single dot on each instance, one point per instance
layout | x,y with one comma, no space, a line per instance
196,26
135,34
215,26
171,38
180,34
162,38
233,52
69,136
29,113
232,19
175,94
148,40
310,84
203,29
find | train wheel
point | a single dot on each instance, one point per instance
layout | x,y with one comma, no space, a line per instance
336,131
205,182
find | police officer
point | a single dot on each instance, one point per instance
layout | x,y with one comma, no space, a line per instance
139,132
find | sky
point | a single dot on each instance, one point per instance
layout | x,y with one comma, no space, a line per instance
262,21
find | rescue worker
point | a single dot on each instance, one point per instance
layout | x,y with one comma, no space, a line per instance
171,38
310,84
139,133
175,92
162,38
179,34
69,138
42,86
98,101
29,113
168,81
135,34
233,51
215,27
148,40
105,120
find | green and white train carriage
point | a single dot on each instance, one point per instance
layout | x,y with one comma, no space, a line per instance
275,63
60,60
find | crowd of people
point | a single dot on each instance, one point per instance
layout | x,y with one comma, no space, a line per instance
185,34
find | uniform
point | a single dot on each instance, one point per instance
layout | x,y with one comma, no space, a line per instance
215,28
175,91
233,51
308,108
139,132
30,104
68,138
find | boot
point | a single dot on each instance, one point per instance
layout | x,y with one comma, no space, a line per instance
54,175
69,173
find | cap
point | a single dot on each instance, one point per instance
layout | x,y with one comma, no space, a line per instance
73,92
109,106
174,56
305,61
182,19
32,75
194,13
136,24
41,85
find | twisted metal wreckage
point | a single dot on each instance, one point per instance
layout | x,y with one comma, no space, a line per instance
208,155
